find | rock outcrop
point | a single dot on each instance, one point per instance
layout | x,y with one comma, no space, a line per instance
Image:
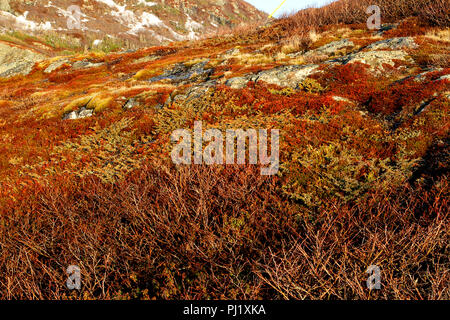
377,59
284,76
377,56
331,48
15,60
394,44
79,114
182,73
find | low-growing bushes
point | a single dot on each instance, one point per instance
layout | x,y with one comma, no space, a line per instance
210,233
431,12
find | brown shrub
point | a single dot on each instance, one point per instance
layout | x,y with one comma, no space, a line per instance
199,232
431,12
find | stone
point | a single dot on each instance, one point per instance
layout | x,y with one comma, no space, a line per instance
331,47
386,27
286,76
17,61
394,44
131,103
79,114
55,65
342,99
376,59
422,76
194,92
84,64
70,116
84,113
237,82
183,74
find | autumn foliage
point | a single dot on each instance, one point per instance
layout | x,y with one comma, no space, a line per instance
363,178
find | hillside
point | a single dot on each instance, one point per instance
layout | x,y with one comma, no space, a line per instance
87,179
139,22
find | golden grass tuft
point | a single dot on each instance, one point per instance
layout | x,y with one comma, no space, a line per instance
296,43
78,103
439,35
99,103
4,103
253,59
145,74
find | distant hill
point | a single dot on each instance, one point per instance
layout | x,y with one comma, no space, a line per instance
152,22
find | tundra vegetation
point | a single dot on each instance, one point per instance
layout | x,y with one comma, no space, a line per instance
86,176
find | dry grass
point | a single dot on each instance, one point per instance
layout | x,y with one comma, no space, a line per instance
253,59
439,35
298,43
228,31
432,12
363,177
220,233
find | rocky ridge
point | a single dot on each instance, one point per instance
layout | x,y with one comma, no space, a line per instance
141,21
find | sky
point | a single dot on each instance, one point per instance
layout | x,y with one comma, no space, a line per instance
291,5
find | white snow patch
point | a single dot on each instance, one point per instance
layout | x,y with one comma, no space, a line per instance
147,3
129,18
112,4
146,20
193,26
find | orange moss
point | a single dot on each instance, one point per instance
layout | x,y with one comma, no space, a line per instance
4,104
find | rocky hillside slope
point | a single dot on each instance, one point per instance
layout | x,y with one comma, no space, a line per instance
158,21
86,175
